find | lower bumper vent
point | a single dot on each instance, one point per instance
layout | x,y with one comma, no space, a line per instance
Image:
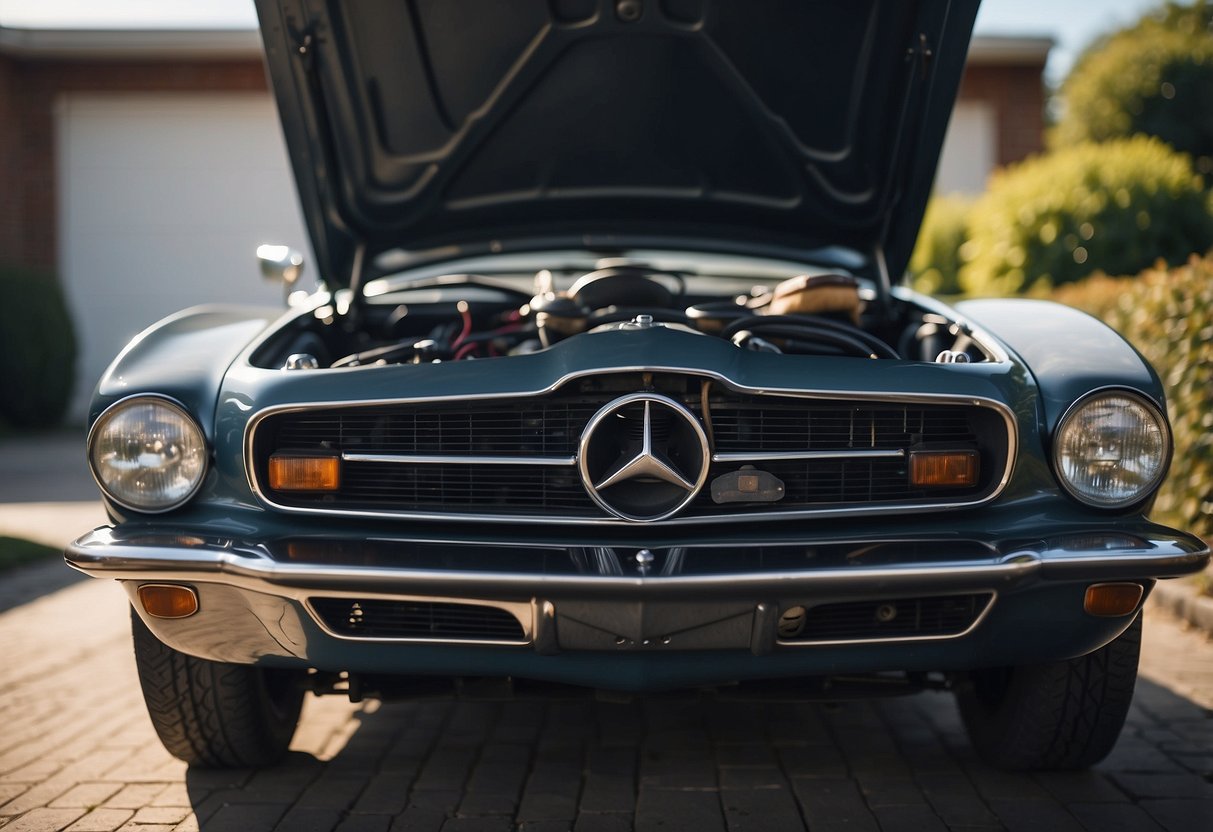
425,620
932,617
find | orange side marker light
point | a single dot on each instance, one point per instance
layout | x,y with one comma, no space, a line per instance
1112,600
943,468
297,472
168,600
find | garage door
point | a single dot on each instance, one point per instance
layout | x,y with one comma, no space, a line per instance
162,202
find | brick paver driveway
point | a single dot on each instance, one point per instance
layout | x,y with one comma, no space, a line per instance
77,752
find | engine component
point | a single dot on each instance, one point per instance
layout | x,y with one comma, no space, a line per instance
818,294
626,286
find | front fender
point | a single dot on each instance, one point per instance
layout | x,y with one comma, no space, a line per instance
1068,352
184,356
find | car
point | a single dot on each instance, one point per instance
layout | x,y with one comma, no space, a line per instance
611,381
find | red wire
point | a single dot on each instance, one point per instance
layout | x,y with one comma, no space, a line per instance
467,326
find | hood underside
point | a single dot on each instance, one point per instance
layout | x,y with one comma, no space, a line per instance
456,125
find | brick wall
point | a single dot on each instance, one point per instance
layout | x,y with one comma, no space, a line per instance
29,91
1017,94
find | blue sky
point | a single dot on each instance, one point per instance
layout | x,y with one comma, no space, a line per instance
1072,23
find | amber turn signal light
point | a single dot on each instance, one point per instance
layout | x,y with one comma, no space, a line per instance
943,468
168,600
290,472
1109,600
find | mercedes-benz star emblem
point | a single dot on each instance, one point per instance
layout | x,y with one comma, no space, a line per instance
643,457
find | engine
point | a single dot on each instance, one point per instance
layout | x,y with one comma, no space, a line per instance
469,317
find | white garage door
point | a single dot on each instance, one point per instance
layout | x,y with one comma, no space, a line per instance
162,201
969,149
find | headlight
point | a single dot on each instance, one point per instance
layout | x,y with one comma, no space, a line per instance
147,454
1111,449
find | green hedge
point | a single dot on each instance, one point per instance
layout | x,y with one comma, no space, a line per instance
1168,316
1116,207
935,264
1154,78
37,349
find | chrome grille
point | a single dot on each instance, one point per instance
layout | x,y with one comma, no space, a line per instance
516,457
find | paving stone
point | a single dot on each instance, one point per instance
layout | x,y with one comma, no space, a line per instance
478,825
385,794
333,792
761,810
44,820
593,822
419,819
751,777
813,761
833,803
447,768
365,823
955,800
168,815
487,803
1180,815
880,790
903,818
665,810
1165,785
135,796
101,820
1105,817
86,795
545,826
1081,787
608,793
306,819
244,818
1034,815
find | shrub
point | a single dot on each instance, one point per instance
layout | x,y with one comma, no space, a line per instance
935,264
1168,316
1154,78
37,349
1116,207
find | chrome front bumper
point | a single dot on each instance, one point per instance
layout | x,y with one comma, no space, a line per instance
602,616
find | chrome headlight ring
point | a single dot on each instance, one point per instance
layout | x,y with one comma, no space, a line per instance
148,454
1111,448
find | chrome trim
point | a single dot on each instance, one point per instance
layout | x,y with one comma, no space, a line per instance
523,611
773,456
645,462
981,616
827,395
161,399
1082,401
991,345
426,459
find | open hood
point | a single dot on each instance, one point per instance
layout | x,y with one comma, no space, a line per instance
459,126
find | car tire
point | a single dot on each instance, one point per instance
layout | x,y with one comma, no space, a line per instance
215,714
1059,715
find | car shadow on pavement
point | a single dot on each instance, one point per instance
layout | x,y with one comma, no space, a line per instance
698,762
29,583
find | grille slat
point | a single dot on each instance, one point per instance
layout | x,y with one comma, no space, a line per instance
550,426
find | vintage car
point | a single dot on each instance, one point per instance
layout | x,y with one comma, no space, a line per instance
610,381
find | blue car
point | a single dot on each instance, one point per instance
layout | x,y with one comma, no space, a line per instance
611,381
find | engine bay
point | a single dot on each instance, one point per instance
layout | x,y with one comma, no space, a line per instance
476,316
